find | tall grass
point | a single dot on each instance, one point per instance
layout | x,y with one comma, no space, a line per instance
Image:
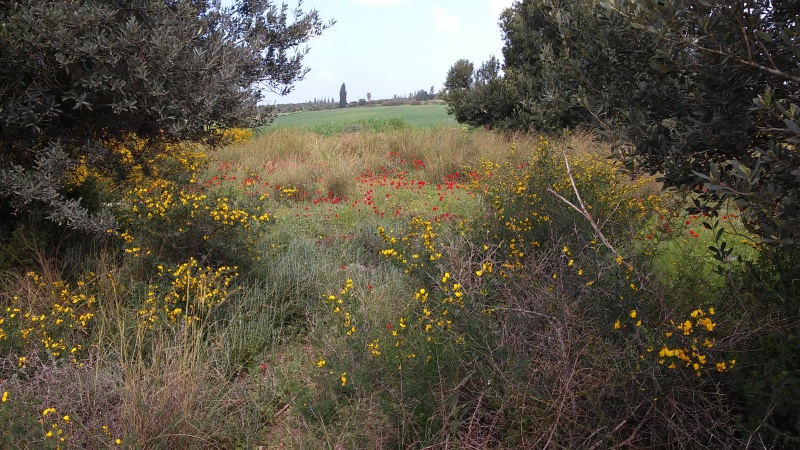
427,291
443,150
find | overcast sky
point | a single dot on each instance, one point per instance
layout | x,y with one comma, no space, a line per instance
388,47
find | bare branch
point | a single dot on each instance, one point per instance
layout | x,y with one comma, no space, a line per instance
582,210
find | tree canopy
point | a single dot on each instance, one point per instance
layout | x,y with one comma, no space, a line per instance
703,93
343,97
76,75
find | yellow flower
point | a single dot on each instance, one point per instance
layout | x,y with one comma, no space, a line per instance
617,325
706,322
344,378
632,314
5,396
118,441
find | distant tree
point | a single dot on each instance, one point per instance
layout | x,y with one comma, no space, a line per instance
369,97
343,97
433,92
421,95
459,77
362,102
482,97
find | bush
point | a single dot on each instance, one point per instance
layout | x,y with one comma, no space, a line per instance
525,311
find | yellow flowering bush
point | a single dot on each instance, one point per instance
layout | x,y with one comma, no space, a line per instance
688,343
414,247
187,293
136,158
235,135
167,213
407,353
178,221
51,319
25,426
525,211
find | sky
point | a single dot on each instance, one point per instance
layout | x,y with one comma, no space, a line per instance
394,47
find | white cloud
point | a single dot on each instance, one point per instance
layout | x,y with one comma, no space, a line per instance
444,21
497,6
377,2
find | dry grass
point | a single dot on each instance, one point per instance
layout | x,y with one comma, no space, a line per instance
339,159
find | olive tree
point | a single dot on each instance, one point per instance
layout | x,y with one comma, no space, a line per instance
74,75
720,115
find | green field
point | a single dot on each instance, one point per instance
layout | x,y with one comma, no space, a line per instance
414,115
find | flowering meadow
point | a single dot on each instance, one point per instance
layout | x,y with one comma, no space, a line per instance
388,287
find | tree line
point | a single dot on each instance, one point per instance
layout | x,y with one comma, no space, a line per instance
412,98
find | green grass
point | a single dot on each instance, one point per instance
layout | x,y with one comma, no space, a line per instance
415,116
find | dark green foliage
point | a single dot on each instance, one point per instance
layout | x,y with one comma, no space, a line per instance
717,110
422,95
532,93
703,93
457,88
481,97
75,74
343,97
